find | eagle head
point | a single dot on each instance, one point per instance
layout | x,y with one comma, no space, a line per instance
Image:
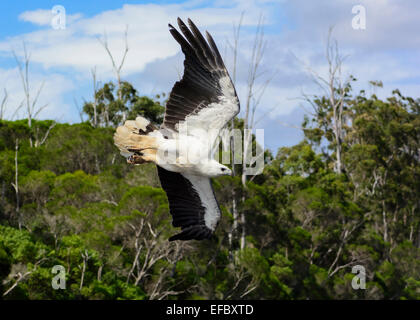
215,169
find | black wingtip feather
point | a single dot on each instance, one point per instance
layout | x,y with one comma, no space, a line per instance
203,69
180,22
185,206
215,50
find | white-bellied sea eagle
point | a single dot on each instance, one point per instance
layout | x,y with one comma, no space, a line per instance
199,106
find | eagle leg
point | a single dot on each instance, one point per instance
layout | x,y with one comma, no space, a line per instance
140,157
134,141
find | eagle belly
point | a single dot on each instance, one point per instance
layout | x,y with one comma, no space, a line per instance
184,154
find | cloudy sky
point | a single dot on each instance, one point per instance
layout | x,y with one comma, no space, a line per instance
295,31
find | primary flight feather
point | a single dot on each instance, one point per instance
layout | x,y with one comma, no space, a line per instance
199,106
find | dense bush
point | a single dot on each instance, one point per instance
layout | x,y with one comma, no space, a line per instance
81,206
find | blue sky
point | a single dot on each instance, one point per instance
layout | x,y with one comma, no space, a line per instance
295,31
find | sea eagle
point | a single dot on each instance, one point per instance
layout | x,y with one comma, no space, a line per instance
203,102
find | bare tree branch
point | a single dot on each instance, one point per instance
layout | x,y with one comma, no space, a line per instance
23,276
32,111
3,104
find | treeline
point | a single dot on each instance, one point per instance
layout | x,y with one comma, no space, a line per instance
347,195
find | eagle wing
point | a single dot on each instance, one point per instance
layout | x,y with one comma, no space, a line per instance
205,98
192,204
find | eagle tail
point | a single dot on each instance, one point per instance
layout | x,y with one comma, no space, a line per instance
135,142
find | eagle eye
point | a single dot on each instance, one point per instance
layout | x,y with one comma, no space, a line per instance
223,169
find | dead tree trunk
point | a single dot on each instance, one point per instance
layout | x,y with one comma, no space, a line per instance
95,99
3,104
336,93
234,228
115,68
16,184
85,257
251,105
385,222
32,110
334,89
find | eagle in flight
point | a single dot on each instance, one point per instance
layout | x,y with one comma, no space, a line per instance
199,106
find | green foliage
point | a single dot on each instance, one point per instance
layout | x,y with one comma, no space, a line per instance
20,244
114,103
107,223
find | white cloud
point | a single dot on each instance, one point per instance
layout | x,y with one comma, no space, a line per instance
148,37
388,49
44,17
39,17
389,23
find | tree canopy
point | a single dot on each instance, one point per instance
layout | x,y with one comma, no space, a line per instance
79,205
